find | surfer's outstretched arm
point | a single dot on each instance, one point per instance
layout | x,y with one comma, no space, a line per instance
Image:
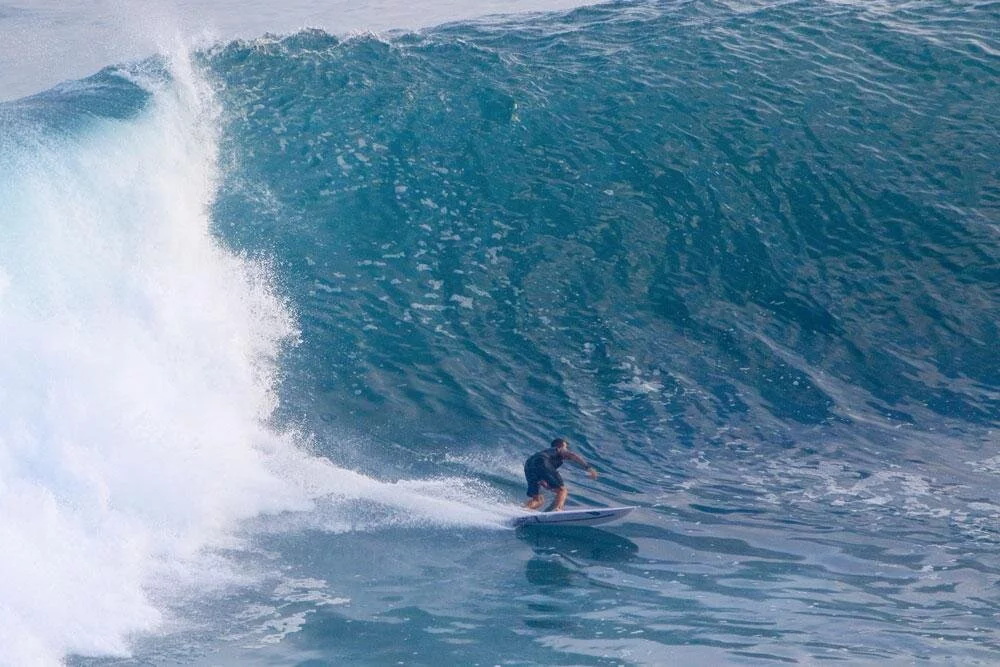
579,460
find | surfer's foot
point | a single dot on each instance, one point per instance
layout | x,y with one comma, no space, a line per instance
534,502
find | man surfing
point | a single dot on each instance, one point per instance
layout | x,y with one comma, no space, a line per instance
541,471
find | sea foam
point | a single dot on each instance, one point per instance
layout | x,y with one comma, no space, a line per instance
138,372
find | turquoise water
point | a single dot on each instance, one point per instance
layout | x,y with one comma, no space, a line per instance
283,316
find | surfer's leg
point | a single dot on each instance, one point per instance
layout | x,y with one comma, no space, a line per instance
535,497
557,503
554,482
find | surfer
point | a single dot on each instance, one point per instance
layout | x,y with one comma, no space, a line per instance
541,471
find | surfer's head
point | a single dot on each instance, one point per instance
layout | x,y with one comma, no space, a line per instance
559,443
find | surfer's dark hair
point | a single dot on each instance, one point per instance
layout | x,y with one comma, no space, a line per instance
560,442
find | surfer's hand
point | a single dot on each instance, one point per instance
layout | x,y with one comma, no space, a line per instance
592,472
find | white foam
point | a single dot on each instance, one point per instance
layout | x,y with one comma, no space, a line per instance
137,374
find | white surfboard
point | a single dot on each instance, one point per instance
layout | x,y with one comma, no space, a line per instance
576,517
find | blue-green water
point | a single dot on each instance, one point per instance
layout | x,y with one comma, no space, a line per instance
282,317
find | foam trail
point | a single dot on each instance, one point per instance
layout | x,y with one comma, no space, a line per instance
351,502
137,375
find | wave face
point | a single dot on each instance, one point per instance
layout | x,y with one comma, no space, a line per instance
281,319
775,222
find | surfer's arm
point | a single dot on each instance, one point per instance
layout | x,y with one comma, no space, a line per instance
577,459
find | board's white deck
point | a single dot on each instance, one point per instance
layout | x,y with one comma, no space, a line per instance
575,517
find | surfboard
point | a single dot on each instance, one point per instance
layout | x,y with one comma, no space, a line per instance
576,517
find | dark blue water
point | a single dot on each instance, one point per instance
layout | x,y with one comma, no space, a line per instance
744,256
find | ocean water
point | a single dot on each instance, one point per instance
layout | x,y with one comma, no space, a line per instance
283,310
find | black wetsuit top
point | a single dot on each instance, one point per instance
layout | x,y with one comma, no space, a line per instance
547,457
542,466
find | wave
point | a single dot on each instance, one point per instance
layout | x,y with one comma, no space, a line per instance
311,283
695,233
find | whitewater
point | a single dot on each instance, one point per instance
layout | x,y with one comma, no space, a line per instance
286,298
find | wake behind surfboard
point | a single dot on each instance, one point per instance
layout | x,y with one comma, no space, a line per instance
576,517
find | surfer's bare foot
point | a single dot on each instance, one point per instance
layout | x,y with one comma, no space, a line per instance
534,503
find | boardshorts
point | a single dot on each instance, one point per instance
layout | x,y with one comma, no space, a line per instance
537,470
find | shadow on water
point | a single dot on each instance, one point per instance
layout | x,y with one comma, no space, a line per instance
560,552
579,542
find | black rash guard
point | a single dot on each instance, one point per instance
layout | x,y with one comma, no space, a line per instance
542,466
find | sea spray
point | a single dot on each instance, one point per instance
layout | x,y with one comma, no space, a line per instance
137,374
